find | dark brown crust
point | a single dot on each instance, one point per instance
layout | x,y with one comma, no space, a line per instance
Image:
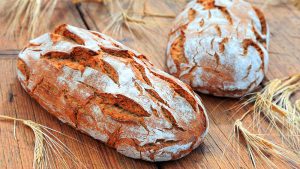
192,14
250,42
23,68
177,51
263,24
208,4
226,14
262,19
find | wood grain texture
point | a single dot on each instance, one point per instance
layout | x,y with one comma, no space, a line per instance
65,12
284,22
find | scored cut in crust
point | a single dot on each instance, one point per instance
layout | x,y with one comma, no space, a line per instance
113,93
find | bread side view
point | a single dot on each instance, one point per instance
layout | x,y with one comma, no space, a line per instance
113,94
219,47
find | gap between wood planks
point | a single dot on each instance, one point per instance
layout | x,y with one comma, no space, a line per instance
81,14
8,53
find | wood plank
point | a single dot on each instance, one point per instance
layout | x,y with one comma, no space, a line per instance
65,12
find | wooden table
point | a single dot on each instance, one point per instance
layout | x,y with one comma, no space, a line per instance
284,21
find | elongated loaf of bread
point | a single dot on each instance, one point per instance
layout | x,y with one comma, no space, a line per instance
219,47
113,94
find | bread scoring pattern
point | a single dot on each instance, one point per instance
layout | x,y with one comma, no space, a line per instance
219,47
113,93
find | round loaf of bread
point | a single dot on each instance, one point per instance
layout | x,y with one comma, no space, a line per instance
219,47
113,94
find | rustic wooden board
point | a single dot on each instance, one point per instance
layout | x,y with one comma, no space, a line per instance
284,21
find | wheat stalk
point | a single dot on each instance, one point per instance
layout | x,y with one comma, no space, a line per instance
48,146
262,149
274,104
122,16
26,17
130,14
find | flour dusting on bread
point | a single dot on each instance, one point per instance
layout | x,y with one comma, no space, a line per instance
219,47
112,93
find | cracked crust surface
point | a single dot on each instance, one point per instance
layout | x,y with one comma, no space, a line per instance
112,93
219,47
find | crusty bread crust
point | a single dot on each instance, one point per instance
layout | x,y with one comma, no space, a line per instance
113,94
219,47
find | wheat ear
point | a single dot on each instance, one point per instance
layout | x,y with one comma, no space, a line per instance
130,14
262,149
274,103
24,17
48,146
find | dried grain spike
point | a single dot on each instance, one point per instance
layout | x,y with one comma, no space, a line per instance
47,146
263,150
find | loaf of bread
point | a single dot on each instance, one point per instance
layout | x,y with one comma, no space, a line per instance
112,93
219,47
